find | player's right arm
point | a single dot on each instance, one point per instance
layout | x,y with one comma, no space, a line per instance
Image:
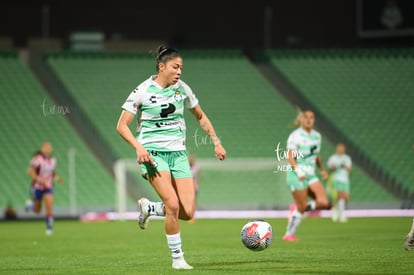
292,148
292,161
33,175
124,131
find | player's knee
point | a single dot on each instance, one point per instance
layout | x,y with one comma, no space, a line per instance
322,203
187,213
172,206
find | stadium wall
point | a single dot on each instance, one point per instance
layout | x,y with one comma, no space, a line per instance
206,23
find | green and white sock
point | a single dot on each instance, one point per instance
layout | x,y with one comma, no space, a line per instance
156,209
174,244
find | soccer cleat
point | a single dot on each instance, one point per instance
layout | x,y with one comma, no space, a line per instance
409,242
143,218
343,219
290,238
49,232
180,263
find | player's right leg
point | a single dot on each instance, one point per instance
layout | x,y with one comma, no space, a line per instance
149,208
37,196
160,173
29,205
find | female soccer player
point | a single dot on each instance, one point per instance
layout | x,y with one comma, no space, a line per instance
42,171
159,103
304,145
340,165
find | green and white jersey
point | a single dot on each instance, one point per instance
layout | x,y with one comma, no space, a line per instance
306,147
160,113
339,162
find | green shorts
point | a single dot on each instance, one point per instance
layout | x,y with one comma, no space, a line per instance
341,186
175,162
294,183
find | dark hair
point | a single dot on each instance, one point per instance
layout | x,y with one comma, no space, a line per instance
164,54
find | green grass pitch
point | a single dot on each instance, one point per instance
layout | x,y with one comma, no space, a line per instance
361,246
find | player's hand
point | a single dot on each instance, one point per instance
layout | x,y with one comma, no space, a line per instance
324,174
143,156
59,179
300,173
220,152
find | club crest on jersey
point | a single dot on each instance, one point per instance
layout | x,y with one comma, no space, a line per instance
178,96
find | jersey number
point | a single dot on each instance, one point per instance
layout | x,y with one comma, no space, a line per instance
167,109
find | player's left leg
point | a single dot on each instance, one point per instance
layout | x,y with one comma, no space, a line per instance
185,212
186,195
319,196
409,238
182,182
343,198
163,185
48,198
184,188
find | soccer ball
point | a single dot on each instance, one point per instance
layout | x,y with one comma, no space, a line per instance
257,235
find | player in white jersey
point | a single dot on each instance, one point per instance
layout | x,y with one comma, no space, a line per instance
340,166
42,171
159,104
304,145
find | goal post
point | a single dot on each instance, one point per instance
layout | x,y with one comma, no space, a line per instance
248,181
121,167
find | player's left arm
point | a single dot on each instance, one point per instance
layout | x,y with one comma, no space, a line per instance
208,128
320,166
57,178
348,165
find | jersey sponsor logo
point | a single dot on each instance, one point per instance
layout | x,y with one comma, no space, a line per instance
152,99
160,124
167,109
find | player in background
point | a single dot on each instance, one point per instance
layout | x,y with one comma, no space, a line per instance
304,146
340,166
42,171
160,148
409,239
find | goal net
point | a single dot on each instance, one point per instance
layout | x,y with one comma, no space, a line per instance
233,184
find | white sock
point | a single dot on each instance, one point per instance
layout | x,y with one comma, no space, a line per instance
159,209
293,223
156,209
174,244
341,205
311,205
411,233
